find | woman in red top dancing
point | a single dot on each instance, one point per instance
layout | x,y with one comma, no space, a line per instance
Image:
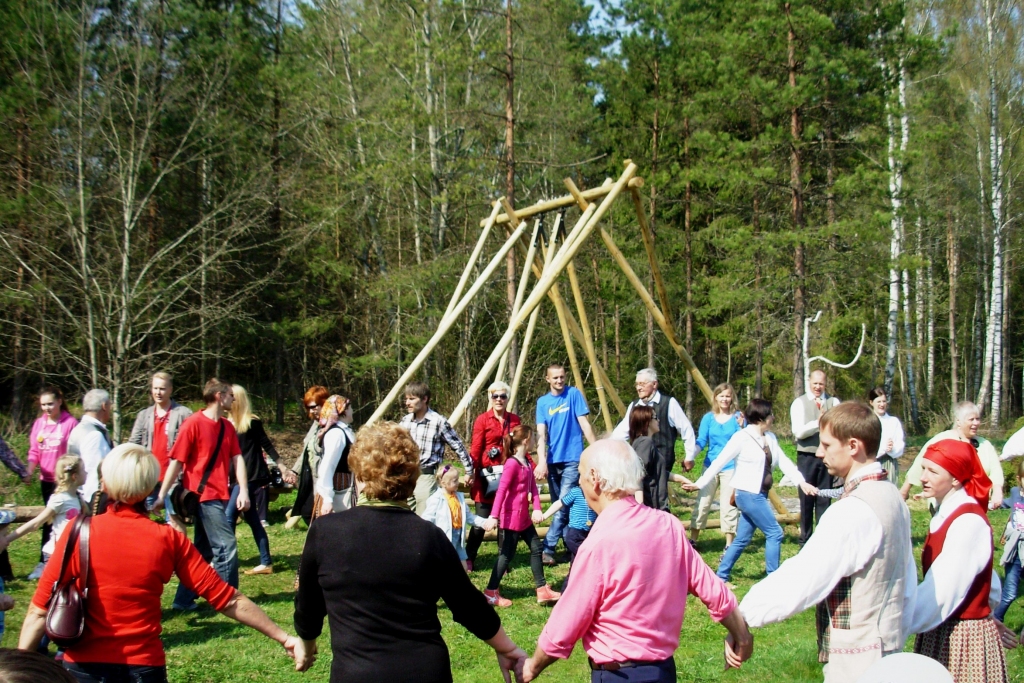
121,642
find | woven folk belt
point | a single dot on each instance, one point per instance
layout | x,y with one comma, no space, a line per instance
343,481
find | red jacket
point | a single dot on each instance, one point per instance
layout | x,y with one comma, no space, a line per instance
487,434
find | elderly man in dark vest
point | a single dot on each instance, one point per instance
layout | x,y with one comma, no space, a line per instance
804,414
674,425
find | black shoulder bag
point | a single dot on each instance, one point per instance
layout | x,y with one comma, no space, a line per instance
185,502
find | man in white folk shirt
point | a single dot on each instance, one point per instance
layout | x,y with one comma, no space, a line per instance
673,425
804,414
858,567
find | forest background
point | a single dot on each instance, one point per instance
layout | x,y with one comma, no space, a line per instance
285,193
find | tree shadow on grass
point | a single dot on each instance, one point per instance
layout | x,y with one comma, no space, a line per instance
202,625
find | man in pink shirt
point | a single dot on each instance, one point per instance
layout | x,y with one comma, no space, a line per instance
628,594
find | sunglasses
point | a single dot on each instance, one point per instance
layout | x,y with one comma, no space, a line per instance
499,397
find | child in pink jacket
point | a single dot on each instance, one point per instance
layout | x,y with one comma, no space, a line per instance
516,493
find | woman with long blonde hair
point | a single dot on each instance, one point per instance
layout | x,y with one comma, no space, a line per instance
254,442
716,428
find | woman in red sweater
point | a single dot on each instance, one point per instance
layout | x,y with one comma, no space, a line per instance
487,451
121,642
512,511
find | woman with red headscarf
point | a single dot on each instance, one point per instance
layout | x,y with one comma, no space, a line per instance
953,607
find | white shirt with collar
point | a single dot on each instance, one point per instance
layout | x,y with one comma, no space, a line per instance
676,419
93,448
965,553
847,537
802,426
892,429
746,447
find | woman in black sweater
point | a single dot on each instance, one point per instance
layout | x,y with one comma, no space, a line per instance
376,572
253,441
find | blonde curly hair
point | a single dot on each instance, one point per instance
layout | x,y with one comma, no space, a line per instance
386,460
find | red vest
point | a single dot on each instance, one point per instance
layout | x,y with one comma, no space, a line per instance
975,604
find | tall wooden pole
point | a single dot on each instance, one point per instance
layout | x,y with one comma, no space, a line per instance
561,260
520,293
589,344
488,226
446,324
656,314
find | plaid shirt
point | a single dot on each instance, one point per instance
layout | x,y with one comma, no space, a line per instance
431,434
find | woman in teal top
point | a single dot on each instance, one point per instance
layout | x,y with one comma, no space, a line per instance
716,428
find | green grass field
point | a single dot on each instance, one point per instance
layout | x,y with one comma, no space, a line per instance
204,646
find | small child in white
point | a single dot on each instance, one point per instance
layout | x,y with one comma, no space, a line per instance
447,510
63,507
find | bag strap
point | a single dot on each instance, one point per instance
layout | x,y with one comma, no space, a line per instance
83,558
213,459
72,541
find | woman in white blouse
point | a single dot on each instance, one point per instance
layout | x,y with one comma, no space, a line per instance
953,607
757,454
893,443
334,485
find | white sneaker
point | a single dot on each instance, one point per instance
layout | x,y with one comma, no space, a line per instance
37,572
264,523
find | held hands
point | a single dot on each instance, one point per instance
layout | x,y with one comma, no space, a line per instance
511,664
541,472
303,651
537,517
996,501
737,653
489,524
808,489
289,477
688,465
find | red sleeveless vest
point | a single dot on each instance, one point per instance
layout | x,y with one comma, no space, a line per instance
975,604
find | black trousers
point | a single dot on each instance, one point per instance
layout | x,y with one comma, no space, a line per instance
48,487
509,541
116,673
664,464
476,534
812,507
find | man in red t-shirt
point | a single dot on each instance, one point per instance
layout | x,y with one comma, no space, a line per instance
190,455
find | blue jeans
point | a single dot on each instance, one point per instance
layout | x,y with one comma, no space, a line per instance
1009,587
252,518
562,476
755,512
215,541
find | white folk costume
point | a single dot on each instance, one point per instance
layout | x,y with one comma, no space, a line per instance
953,611
858,568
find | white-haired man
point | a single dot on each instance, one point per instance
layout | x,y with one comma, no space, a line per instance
631,580
673,423
90,440
967,420
804,414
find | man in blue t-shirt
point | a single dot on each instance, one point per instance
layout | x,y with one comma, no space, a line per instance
561,425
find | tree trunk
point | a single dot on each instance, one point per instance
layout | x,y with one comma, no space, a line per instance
993,368
510,175
655,140
688,248
915,414
951,267
797,206
896,156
